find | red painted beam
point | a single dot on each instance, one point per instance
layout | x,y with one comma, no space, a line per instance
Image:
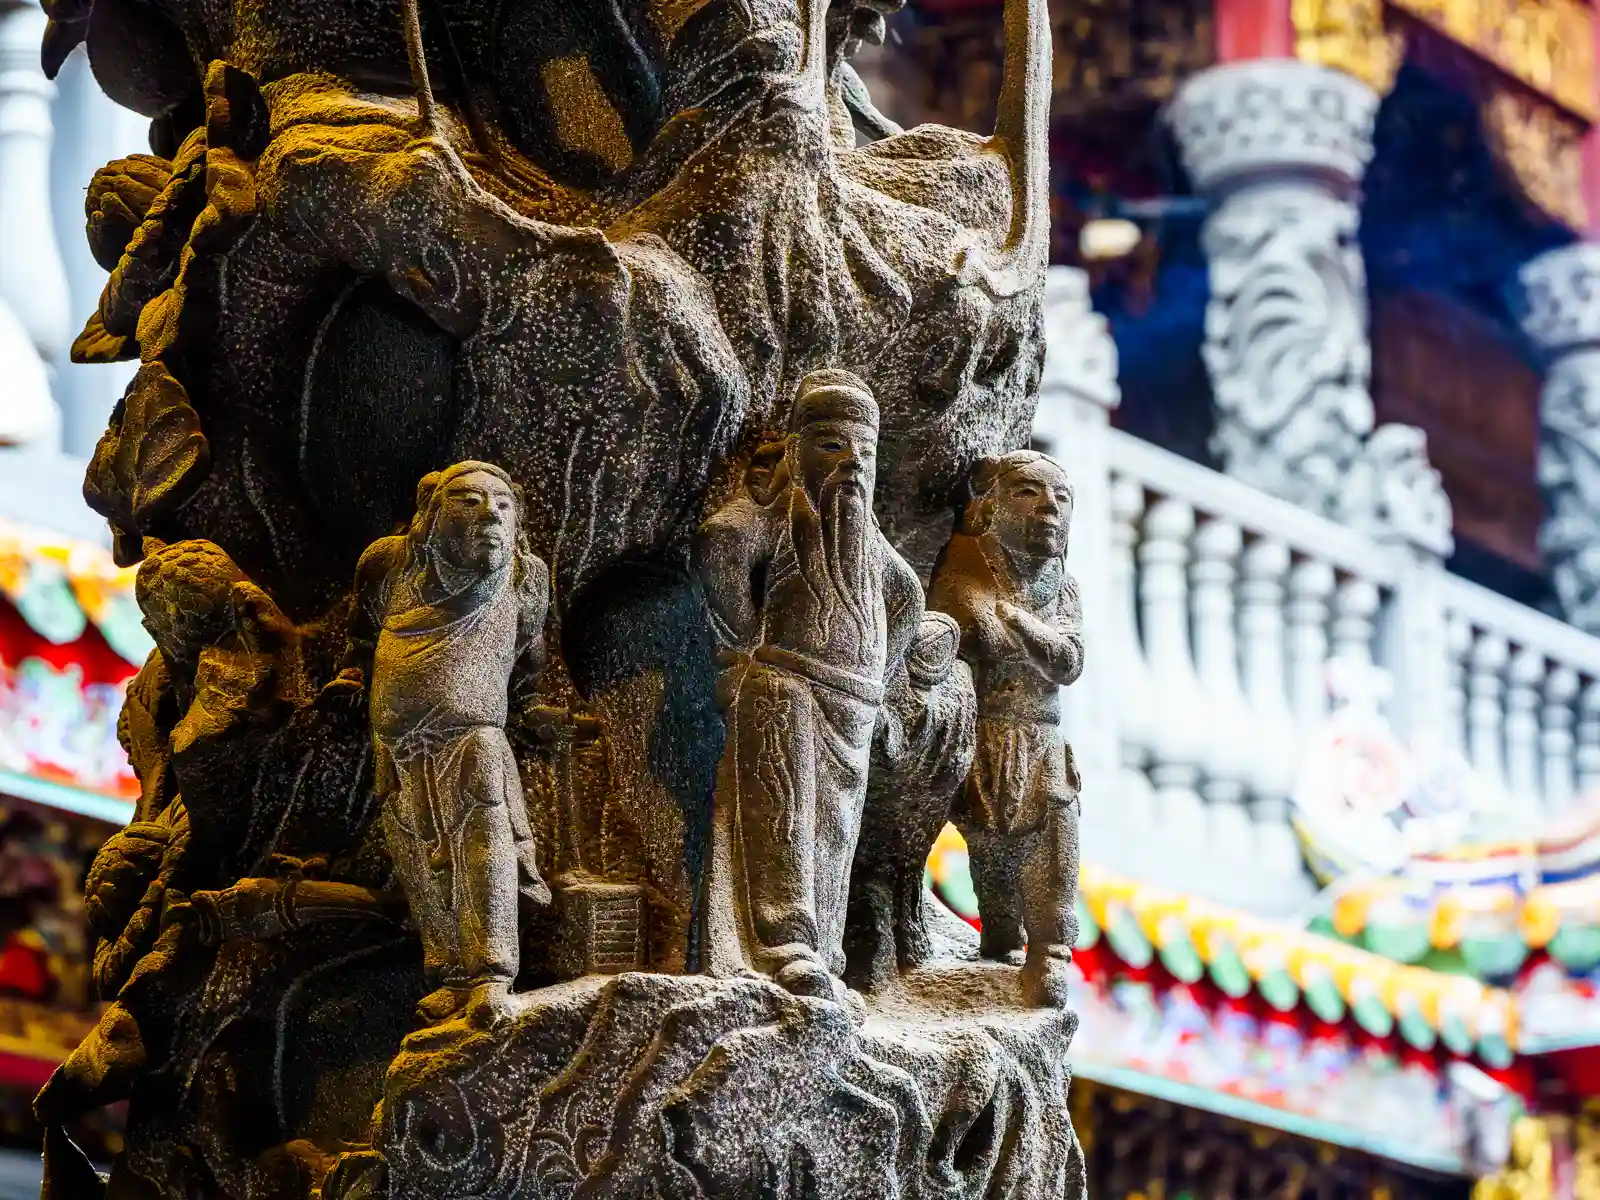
1248,29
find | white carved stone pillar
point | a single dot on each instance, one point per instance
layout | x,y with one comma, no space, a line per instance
1177,735
32,283
1279,147
1229,740
1560,302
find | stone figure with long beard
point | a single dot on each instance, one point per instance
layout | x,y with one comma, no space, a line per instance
443,614
811,604
1003,577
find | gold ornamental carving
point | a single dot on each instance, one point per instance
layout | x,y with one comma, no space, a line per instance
1350,36
1546,45
1541,147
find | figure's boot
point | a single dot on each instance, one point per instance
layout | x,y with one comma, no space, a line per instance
491,1004
442,1004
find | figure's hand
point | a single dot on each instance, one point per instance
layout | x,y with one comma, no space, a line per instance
994,633
343,692
1019,623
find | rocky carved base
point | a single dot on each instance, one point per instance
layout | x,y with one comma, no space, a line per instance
646,1085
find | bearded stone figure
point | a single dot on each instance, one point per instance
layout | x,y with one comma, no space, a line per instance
714,346
811,603
1004,579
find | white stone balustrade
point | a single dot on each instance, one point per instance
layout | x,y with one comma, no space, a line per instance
1214,612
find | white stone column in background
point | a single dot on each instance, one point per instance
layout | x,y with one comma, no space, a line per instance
1560,301
1076,395
92,130
33,285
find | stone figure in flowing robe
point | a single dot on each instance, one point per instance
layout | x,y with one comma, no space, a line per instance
812,604
443,615
920,758
1003,577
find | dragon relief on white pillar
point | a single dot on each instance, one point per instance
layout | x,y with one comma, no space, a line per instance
1560,301
1279,148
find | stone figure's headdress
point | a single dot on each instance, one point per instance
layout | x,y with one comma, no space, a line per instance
985,478
833,395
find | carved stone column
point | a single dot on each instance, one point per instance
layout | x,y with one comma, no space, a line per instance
32,284
1560,298
1279,147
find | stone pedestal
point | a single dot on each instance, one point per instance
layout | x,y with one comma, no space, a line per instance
1560,301
653,1085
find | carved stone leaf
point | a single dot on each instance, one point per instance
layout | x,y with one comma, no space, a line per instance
95,345
118,201
169,454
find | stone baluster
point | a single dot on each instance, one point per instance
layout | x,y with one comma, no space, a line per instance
1273,740
1131,817
1176,746
1559,297
1486,709
1355,607
1587,753
1458,644
1229,740
34,309
1310,586
1524,675
1556,738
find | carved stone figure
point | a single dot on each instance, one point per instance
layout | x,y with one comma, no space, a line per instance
812,604
1395,492
444,613
1003,578
920,758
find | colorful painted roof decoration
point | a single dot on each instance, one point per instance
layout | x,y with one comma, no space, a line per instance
1484,910
61,587
69,642
1285,967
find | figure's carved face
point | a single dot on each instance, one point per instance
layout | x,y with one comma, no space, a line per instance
1033,511
838,454
477,524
